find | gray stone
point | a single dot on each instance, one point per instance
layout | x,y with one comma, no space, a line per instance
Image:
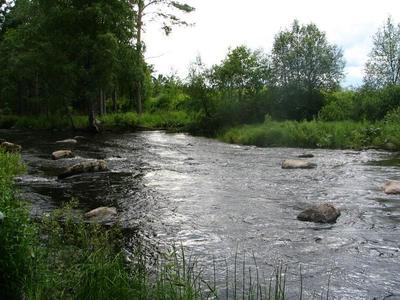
85,167
102,215
60,154
10,147
68,141
306,155
297,164
79,137
392,187
324,213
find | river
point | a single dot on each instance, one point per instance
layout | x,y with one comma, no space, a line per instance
219,200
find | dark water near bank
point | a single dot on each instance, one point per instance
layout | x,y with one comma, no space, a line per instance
219,199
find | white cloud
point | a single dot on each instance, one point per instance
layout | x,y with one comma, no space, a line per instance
221,24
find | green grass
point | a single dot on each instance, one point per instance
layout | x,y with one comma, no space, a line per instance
169,120
316,134
62,257
16,239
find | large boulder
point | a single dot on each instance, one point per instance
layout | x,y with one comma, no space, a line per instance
297,164
60,154
324,213
85,167
392,187
10,147
68,141
102,215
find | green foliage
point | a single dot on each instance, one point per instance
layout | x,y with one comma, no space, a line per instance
17,239
168,95
315,134
375,104
119,121
175,120
301,56
393,116
339,106
303,65
383,65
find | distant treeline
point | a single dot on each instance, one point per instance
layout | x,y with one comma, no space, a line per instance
86,57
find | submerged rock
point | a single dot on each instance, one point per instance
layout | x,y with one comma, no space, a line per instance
306,155
85,167
60,154
10,147
102,215
392,187
297,164
79,137
324,213
68,141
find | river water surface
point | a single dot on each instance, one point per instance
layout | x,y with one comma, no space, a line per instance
219,200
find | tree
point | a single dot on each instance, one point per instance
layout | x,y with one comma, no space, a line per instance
57,54
303,65
5,8
243,72
163,9
383,65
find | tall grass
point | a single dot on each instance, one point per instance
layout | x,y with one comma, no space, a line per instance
169,120
16,237
316,134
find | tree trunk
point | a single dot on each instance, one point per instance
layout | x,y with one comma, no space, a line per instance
92,118
114,100
139,25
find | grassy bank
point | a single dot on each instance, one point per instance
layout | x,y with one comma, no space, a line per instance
174,121
316,134
61,257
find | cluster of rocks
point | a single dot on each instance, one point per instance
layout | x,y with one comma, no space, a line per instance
326,213
323,213
102,215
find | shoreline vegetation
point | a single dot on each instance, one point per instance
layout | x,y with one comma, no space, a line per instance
314,134
59,256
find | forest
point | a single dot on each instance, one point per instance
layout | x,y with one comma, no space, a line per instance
62,60
78,68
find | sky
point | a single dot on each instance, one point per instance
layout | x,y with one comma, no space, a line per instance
223,24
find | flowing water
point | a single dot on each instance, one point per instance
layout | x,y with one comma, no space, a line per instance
222,200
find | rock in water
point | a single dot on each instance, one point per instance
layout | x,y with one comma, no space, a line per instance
85,167
392,187
297,164
10,147
324,213
68,141
1,217
102,215
79,137
62,154
306,155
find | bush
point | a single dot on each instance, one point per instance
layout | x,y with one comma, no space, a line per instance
339,107
316,134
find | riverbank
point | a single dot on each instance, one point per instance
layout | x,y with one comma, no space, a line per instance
59,256
316,134
174,121
296,134
62,257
